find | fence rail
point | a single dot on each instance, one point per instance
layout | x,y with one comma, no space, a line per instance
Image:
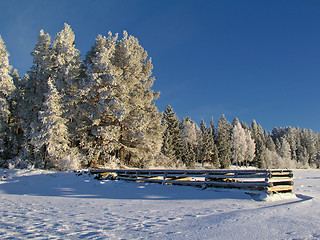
268,180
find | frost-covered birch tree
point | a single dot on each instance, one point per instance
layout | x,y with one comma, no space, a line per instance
239,144
190,132
251,148
191,136
285,154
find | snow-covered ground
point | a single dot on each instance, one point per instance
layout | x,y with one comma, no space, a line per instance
37,204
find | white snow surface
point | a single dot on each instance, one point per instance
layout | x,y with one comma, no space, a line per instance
38,204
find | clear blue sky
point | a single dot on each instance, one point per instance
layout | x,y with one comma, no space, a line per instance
247,59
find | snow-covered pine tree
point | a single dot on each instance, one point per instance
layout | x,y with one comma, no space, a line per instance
172,142
6,104
52,139
131,104
66,73
223,141
100,112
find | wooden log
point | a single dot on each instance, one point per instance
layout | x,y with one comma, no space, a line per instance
150,180
278,189
281,179
108,175
184,183
183,179
255,186
126,178
238,176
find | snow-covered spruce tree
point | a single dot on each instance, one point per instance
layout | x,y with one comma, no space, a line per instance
308,141
244,125
223,141
260,142
66,73
7,89
206,143
235,122
172,142
52,139
189,155
32,90
190,134
270,144
16,78
16,122
101,125
317,160
291,137
215,153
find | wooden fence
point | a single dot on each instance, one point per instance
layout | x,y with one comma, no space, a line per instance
269,181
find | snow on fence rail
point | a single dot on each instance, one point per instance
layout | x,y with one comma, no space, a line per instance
269,181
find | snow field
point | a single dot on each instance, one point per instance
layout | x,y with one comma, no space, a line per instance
38,204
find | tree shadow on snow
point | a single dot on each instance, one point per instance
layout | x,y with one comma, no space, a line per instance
67,184
64,184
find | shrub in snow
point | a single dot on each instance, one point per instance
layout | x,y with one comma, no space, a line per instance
163,162
18,162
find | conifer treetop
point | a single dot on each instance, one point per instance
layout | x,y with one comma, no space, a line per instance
6,81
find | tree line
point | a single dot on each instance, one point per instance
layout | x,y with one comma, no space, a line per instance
66,113
238,144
